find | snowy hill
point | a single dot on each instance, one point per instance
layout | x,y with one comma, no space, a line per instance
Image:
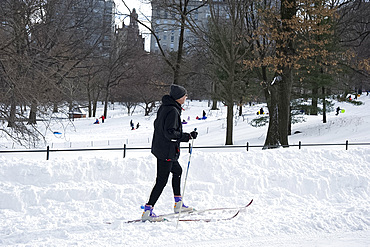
316,196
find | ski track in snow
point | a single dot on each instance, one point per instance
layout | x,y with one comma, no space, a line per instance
68,201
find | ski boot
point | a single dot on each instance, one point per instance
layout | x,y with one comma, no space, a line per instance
148,215
179,203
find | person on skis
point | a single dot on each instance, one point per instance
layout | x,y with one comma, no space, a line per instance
166,148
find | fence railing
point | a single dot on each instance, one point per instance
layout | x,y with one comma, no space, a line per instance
125,148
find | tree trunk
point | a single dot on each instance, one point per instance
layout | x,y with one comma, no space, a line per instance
89,100
323,105
94,107
106,100
240,107
315,92
230,123
11,119
214,105
272,137
32,116
214,101
270,91
176,77
55,107
284,89
149,106
286,49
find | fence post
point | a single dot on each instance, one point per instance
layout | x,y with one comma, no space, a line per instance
124,150
299,144
189,148
346,144
247,146
47,152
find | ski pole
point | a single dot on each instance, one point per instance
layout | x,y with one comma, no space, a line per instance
186,178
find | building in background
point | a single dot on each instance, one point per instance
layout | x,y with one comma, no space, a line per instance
166,24
129,36
89,21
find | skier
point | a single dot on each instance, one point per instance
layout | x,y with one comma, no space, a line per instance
166,148
132,125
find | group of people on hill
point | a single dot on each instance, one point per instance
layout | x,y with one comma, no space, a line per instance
131,122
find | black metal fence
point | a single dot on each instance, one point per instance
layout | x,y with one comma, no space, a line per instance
125,148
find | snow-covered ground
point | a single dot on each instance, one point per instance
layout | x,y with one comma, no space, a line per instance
315,196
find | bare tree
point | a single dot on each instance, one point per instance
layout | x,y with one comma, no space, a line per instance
42,47
227,49
146,83
353,33
180,12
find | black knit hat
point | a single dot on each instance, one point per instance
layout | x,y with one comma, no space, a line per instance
177,91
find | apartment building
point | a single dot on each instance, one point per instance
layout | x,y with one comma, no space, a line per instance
166,24
91,21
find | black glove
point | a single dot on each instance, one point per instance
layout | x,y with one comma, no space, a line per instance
193,135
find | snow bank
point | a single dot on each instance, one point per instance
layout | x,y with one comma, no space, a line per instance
298,194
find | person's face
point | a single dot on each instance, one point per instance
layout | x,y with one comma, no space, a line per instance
181,101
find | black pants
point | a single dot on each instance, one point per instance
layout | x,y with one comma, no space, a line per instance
164,168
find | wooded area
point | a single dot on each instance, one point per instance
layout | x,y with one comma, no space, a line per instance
251,50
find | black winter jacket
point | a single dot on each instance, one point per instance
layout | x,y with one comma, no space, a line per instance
168,130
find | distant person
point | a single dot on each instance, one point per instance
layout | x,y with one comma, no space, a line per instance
204,114
166,148
338,110
137,125
132,125
96,121
261,111
102,118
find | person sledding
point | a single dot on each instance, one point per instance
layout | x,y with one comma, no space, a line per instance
260,112
338,110
167,136
204,115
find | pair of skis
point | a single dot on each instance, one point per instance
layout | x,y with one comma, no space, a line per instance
197,212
